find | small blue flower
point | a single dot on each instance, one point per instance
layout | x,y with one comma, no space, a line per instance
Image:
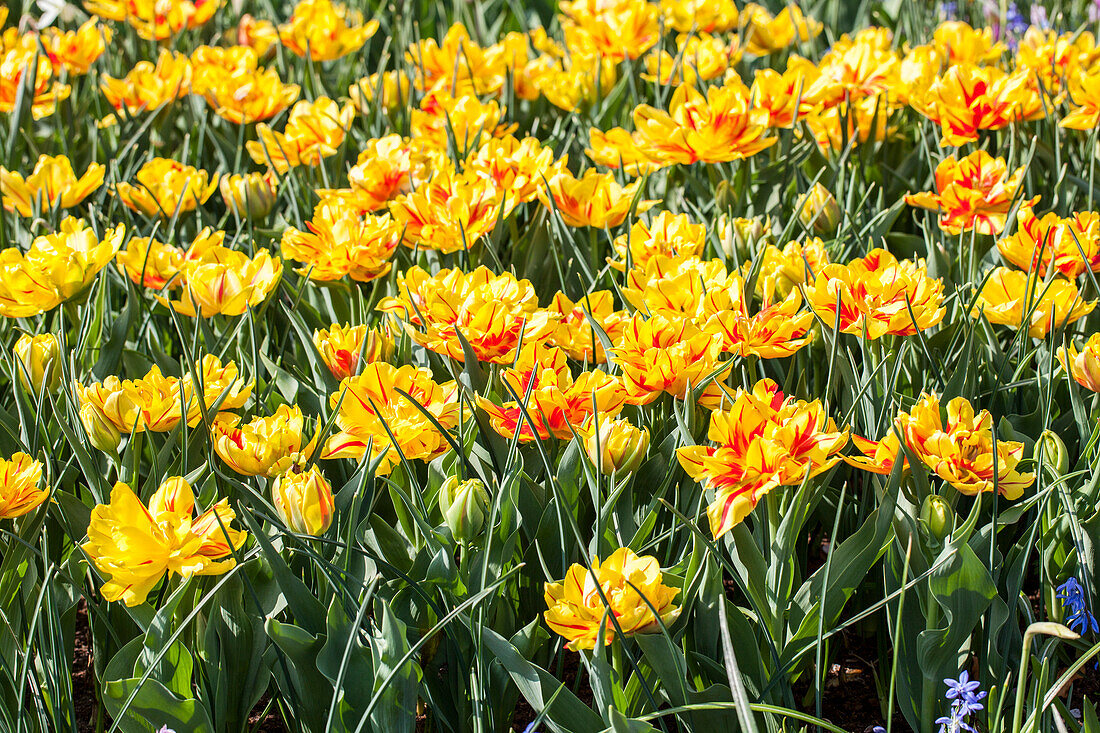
1078,618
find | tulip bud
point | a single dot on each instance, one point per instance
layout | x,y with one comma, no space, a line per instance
617,447
938,517
1053,452
818,210
249,195
304,500
465,507
38,361
102,433
724,196
744,236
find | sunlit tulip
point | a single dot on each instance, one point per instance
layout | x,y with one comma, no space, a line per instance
155,20
721,126
52,184
249,96
878,457
342,243
1070,246
323,30
450,212
343,348
594,200
304,500
382,408
967,99
465,506
494,313
961,450
574,333
765,34
621,593
783,270
1012,298
617,148
619,29
707,16
667,354
154,402
818,210
314,131
958,43
1084,96
99,430
264,446
671,235
149,86
166,187
461,121
879,295
21,491
226,282
546,400
390,89
28,77
220,386
1084,365
383,171
974,192
76,51
516,168
764,440
251,195
38,362
135,546
615,446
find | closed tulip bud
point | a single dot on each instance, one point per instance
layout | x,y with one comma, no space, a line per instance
744,236
818,210
938,517
304,501
102,433
1053,452
249,195
38,360
617,447
465,507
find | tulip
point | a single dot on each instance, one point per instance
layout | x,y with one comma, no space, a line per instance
304,501
1051,451
937,517
136,546
625,587
251,195
465,506
342,346
722,126
52,183
265,446
617,446
38,360
101,432
20,492
818,210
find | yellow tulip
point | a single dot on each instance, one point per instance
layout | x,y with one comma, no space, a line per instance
20,492
264,446
38,360
304,500
53,183
135,546
625,586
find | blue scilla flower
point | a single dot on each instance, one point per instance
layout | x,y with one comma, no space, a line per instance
1072,595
